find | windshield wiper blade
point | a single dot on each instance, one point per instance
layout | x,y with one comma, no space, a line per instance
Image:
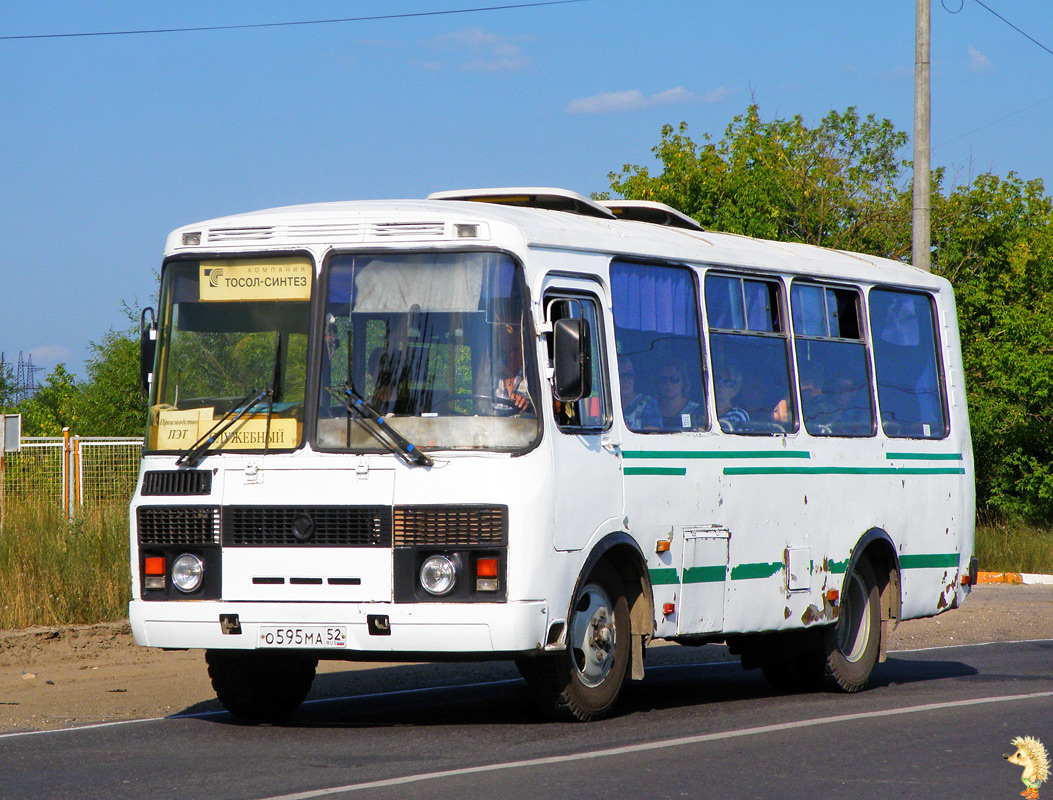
356,404
198,449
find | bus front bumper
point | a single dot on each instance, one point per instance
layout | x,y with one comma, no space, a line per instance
439,628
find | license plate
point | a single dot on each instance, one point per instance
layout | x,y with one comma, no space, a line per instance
321,636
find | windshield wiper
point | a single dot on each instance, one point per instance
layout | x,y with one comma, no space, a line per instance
275,392
198,449
356,404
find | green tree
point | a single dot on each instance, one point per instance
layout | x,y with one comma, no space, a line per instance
53,407
109,403
7,385
834,185
994,241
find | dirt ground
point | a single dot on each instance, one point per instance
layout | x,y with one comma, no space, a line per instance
64,677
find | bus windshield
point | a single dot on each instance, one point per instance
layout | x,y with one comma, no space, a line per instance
232,355
434,343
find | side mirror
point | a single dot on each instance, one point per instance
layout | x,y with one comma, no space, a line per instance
147,348
572,359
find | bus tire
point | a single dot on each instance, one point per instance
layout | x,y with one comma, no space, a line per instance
583,681
851,646
259,686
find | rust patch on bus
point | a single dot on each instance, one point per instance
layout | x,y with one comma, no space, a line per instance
812,614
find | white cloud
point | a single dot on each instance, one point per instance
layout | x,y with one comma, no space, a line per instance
49,354
476,50
635,100
978,62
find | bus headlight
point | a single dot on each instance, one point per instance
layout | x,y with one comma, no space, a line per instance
188,571
438,574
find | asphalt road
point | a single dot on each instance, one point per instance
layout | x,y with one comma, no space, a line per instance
935,724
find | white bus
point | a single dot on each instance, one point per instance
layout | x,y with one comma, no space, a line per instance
522,424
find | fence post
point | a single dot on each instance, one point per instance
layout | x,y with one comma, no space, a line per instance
3,448
78,474
66,473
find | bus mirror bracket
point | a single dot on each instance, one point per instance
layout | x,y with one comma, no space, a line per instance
147,347
572,359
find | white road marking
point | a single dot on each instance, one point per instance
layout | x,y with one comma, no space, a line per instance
649,746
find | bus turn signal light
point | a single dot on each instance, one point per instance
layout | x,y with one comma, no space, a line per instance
486,575
155,565
832,595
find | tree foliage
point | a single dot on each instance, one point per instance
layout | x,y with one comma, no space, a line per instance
106,404
843,184
830,185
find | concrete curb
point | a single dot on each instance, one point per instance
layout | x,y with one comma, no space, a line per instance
1015,577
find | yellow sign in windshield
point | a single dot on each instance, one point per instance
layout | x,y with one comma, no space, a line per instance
272,279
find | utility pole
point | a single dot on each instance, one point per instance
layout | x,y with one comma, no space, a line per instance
922,172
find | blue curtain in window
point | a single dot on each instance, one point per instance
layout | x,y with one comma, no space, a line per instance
652,298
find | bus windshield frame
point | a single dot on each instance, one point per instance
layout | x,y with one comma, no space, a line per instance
438,343
231,362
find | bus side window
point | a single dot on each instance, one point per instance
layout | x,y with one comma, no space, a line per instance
750,348
831,361
656,320
590,412
909,379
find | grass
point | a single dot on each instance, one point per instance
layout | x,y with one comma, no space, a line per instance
1011,546
55,571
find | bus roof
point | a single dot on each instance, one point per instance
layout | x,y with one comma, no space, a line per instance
528,217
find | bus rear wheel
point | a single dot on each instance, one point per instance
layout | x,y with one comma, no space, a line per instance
851,646
260,686
583,681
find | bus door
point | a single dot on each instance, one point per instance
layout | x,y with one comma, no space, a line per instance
701,606
584,445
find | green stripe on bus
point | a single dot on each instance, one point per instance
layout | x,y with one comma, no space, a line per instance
929,560
844,470
656,470
925,456
714,454
836,567
705,574
745,572
663,576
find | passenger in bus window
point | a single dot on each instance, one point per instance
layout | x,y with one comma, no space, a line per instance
678,411
728,382
640,410
509,381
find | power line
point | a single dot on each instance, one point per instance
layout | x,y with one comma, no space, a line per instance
1014,27
246,26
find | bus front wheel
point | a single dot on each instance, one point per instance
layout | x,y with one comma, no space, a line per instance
851,646
260,686
583,681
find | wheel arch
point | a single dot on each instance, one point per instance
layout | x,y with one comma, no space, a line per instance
624,555
877,547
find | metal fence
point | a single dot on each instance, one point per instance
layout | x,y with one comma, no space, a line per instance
71,470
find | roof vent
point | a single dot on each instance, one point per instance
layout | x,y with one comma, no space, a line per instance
531,197
647,211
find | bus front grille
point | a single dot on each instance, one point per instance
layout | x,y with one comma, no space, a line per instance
176,482
450,526
307,526
177,525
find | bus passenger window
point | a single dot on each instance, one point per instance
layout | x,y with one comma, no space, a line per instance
662,385
748,340
831,361
909,380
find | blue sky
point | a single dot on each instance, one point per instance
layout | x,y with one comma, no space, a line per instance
109,142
